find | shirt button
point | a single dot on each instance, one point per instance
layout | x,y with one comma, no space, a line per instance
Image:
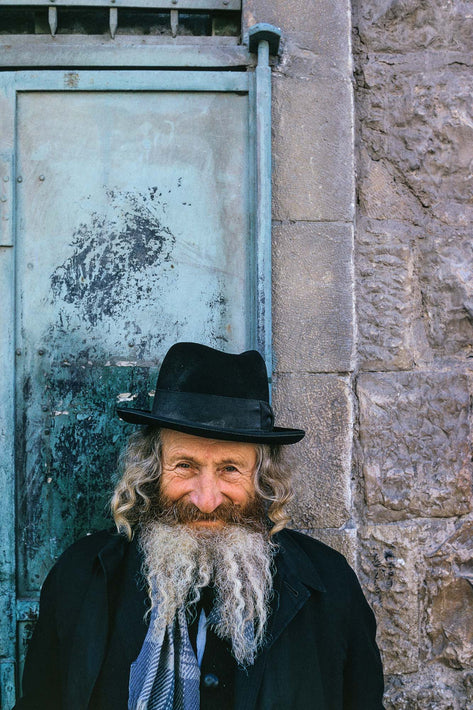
210,680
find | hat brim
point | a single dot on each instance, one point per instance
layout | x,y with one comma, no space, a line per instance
277,435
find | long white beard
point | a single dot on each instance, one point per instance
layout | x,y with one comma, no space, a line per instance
179,562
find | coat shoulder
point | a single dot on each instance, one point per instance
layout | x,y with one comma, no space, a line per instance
312,559
75,566
314,547
89,545
319,553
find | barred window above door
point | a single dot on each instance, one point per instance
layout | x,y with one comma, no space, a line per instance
173,18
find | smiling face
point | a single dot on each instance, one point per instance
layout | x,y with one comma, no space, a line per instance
207,473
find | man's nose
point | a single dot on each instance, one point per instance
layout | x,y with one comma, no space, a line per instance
206,494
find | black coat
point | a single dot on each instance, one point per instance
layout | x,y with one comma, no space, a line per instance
321,651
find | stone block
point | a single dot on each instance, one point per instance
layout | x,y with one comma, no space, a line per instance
446,282
321,462
448,617
313,297
312,150
415,444
390,334
387,571
418,121
401,27
321,28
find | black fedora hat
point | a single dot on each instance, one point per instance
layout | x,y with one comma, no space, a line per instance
206,392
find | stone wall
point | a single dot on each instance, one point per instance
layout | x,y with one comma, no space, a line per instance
373,313
414,286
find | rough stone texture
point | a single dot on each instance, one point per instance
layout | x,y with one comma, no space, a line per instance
418,580
312,149
321,462
448,599
312,297
422,130
446,284
388,300
415,294
414,269
381,195
389,576
415,451
415,25
432,688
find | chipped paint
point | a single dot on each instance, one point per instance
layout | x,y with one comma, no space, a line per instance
126,397
71,80
77,462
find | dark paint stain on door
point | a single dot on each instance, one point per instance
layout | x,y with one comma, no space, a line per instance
104,272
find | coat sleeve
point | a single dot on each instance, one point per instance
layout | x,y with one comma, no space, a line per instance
41,676
363,673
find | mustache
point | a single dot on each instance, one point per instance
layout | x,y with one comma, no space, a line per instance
183,512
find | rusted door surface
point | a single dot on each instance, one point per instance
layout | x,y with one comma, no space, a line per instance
129,228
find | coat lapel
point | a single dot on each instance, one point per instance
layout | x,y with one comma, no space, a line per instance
91,631
295,577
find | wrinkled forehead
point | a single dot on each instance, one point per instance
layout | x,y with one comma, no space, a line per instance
176,443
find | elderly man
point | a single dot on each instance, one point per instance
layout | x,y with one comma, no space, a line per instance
203,598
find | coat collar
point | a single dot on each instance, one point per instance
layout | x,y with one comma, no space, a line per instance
294,563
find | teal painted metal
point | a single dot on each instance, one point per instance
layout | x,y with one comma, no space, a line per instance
68,51
126,80
260,37
114,225
264,32
7,441
7,684
7,488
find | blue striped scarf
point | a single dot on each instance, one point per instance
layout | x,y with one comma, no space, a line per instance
166,675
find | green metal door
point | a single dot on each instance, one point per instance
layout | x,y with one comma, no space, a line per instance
127,223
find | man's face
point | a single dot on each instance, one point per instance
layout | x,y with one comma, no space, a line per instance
207,473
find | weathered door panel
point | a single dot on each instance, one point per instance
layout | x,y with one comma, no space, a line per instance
132,227
132,221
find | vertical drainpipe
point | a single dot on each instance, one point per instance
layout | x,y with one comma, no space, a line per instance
264,40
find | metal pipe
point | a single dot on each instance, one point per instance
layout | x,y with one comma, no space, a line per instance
263,202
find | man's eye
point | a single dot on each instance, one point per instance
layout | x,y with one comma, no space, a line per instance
230,469
183,464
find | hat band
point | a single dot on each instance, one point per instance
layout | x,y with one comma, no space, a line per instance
214,410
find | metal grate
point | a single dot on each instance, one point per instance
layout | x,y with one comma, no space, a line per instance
136,17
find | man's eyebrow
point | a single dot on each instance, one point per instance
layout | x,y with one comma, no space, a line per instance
235,460
181,455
